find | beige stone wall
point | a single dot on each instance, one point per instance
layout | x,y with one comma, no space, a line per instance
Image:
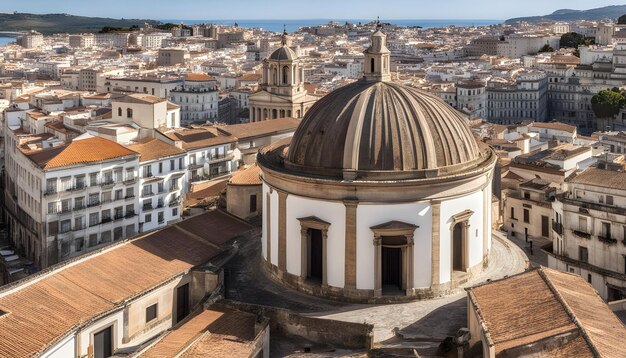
238,200
518,225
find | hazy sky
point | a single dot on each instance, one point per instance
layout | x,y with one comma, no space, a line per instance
302,9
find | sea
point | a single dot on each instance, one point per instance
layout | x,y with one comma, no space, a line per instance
294,25
6,40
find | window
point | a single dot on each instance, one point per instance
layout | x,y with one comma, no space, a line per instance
147,190
160,167
589,277
512,213
79,244
130,192
148,218
93,219
526,195
93,179
79,203
609,200
51,186
147,171
106,236
119,194
582,224
94,199
175,212
106,196
583,254
93,240
119,111
52,208
151,312
253,203
66,226
181,163
118,232
172,164
129,113
107,177
78,223
80,181
526,216
161,217
106,215
606,230
118,212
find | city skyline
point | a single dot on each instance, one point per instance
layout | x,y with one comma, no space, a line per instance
284,10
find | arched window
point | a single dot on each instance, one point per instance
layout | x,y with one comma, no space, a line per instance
119,111
129,112
274,76
286,75
372,65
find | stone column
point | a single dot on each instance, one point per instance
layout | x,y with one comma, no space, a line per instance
410,282
324,258
486,229
282,230
378,289
304,259
350,245
435,255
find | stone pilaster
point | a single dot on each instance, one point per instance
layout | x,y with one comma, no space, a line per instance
378,283
282,230
350,245
435,254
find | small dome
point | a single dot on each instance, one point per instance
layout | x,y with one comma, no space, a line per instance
382,130
283,53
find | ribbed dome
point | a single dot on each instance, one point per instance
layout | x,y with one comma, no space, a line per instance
283,53
382,130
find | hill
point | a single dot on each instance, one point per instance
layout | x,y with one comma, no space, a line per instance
59,23
607,12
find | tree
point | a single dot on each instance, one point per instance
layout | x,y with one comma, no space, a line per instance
607,103
546,48
573,40
622,20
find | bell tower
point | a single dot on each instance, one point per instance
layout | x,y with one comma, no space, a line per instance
377,56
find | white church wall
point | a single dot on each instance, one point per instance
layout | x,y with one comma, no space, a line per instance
331,212
419,214
473,202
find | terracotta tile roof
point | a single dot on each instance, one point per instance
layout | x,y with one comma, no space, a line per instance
205,191
198,76
250,77
262,128
217,332
247,176
69,296
544,303
153,148
171,106
602,178
200,137
554,125
84,151
140,98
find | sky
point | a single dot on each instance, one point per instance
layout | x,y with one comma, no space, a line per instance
302,9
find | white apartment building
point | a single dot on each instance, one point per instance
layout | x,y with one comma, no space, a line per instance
82,40
198,98
31,39
153,39
155,86
471,98
62,200
112,39
146,111
525,99
161,183
589,231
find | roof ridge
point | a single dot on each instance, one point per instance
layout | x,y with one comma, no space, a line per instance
568,309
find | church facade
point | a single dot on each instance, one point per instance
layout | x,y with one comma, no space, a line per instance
383,194
282,93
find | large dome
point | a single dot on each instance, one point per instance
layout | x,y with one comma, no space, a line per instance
379,129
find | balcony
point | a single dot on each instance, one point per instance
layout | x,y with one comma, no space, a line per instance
174,202
147,207
107,182
607,240
220,158
93,203
160,204
174,188
130,180
557,227
132,196
105,220
581,234
79,227
50,191
117,217
79,206
129,214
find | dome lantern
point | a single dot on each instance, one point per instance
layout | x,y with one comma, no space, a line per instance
377,57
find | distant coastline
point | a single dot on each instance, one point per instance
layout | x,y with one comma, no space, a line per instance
294,25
